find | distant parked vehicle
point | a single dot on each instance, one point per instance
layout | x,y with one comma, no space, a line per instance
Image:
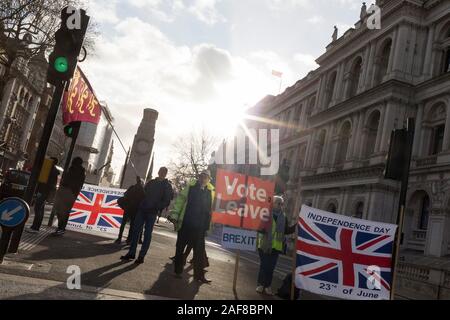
14,184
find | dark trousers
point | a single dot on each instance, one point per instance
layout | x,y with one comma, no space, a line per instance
196,239
39,207
62,220
142,219
127,217
268,261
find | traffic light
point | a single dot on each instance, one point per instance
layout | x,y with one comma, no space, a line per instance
71,129
68,43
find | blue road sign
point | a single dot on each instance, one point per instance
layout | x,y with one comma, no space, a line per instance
13,212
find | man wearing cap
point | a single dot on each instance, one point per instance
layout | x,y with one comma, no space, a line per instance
192,216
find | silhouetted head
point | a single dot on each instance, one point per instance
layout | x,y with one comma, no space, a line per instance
162,173
138,180
77,162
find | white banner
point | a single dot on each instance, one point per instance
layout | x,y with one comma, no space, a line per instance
344,257
239,239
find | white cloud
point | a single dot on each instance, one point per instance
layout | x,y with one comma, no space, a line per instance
316,19
206,11
191,87
104,11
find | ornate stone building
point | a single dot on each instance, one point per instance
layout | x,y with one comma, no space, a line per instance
338,121
19,103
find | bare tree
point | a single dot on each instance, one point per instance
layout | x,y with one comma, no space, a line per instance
192,155
28,27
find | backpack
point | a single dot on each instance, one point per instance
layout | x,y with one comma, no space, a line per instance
284,292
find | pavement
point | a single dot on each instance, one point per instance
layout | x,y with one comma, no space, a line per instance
43,265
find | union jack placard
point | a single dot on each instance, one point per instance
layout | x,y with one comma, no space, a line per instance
96,209
344,257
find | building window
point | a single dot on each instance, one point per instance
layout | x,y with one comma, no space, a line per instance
383,62
424,213
438,139
344,140
372,133
447,61
359,209
332,208
355,76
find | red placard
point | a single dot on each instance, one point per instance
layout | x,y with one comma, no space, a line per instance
243,202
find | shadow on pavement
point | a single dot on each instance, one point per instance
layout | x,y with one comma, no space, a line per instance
103,276
74,246
167,285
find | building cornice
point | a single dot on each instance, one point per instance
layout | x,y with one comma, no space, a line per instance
392,90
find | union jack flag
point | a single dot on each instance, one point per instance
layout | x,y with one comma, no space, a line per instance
97,210
343,257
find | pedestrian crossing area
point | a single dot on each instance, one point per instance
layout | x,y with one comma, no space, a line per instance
30,240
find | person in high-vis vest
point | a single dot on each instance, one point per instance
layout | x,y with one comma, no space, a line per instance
270,245
192,216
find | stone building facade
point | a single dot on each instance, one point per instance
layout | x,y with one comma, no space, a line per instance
19,102
337,123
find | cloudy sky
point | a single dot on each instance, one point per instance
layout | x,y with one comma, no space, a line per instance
201,63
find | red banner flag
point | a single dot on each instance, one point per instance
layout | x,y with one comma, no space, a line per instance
80,102
240,204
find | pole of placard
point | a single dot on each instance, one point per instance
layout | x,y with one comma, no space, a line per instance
402,201
294,263
238,254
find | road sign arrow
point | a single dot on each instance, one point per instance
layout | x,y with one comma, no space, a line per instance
8,216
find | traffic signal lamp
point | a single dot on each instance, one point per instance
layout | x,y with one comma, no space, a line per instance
68,43
71,129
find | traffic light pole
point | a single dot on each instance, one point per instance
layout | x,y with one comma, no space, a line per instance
76,130
39,159
402,200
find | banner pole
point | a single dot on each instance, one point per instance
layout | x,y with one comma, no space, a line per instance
294,263
238,254
397,249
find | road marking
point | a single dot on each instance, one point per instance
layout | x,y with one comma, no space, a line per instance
30,240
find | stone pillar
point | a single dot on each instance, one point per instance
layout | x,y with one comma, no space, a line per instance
310,149
379,134
388,125
369,63
400,49
418,130
357,152
437,239
427,67
321,94
337,95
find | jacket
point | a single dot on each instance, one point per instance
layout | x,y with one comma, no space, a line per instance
74,179
179,208
158,194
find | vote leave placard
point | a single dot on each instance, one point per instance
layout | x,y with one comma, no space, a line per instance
243,202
